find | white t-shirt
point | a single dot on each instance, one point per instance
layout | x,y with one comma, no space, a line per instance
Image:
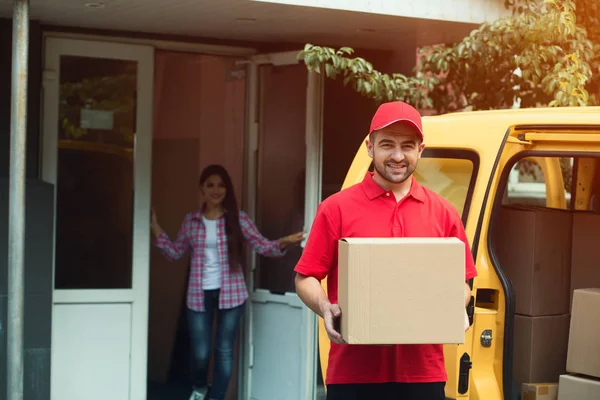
211,277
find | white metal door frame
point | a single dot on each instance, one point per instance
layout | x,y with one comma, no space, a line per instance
138,295
314,140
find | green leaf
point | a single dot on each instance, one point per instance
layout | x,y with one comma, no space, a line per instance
479,69
329,71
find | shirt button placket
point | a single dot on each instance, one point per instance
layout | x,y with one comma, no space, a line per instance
398,226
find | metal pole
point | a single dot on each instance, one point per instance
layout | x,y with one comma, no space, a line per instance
16,200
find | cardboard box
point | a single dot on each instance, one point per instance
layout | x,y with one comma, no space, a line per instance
584,338
539,391
540,348
585,264
578,388
402,290
533,248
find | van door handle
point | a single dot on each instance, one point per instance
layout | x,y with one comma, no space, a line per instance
464,371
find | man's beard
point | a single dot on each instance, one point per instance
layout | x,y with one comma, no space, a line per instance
395,178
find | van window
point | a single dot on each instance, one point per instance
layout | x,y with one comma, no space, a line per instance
541,182
451,174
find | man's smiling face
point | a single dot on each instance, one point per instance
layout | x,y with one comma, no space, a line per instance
395,151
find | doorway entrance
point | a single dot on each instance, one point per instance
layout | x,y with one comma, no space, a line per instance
110,158
283,160
199,119
97,152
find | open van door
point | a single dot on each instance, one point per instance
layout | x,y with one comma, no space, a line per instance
283,175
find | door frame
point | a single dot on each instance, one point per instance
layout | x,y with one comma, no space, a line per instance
138,294
313,179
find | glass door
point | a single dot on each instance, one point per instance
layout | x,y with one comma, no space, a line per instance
97,152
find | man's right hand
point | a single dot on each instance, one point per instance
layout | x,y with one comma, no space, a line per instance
311,292
331,318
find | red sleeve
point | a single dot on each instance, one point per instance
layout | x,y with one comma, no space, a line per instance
320,251
457,230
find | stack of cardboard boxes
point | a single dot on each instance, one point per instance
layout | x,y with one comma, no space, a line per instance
582,382
583,360
533,248
547,254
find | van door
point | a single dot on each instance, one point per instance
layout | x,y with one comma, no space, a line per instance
283,168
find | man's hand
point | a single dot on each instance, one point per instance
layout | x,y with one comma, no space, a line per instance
311,292
467,294
331,318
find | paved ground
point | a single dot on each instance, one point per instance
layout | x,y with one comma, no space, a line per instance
171,391
321,394
181,391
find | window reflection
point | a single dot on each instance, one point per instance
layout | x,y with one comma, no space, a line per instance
97,111
449,177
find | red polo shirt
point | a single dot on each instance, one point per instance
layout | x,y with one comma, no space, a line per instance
367,210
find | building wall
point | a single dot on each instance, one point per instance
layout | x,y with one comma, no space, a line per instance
468,11
38,288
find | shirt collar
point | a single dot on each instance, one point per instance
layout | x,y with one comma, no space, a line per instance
197,215
373,190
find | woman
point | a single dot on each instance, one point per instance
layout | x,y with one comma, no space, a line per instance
215,235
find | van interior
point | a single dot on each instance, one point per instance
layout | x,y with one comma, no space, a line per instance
544,235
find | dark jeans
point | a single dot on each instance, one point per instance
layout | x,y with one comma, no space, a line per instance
200,325
387,391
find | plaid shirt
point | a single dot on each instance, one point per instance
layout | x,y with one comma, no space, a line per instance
192,235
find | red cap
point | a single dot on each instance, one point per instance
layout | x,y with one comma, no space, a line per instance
396,111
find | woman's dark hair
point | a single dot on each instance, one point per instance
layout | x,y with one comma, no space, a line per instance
235,238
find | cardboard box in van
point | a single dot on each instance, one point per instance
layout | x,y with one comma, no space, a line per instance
533,247
540,348
539,391
402,290
584,338
585,265
578,388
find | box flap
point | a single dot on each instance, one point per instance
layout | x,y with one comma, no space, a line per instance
588,290
399,240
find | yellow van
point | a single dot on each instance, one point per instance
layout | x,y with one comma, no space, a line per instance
483,162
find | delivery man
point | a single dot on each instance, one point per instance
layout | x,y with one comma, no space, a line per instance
389,202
